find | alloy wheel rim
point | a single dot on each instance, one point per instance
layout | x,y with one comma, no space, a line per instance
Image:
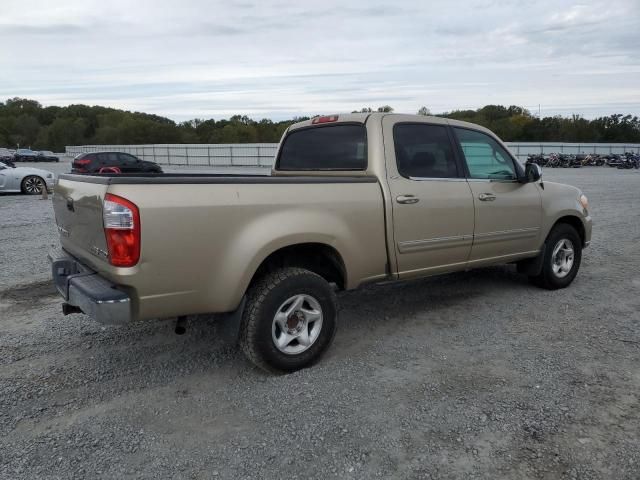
297,324
33,185
562,258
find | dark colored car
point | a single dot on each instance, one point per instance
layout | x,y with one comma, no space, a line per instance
25,155
112,162
6,156
46,156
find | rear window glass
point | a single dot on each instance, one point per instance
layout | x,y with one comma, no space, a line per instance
338,147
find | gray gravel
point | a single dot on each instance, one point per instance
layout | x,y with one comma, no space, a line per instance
475,375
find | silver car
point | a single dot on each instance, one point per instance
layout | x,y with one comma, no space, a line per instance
27,180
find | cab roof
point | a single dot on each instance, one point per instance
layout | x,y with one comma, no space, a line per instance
364,117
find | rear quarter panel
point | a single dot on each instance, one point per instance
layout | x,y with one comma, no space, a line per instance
202,243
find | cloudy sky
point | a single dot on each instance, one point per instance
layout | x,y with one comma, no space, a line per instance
276,59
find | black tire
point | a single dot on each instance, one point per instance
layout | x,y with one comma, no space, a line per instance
264,298
548,278
26,188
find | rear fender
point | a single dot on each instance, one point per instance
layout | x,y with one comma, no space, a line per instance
273,232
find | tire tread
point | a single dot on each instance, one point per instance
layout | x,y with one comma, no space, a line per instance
256,296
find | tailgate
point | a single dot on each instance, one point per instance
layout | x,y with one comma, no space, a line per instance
78,211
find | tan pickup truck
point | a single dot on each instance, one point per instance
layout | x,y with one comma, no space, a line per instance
352,200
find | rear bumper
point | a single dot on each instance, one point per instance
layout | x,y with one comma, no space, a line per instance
83,288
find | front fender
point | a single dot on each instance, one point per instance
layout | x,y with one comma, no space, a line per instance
560,201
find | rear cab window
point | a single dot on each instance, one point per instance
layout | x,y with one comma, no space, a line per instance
332,147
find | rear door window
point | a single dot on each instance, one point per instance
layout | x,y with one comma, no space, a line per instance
424,151
111,158
335,147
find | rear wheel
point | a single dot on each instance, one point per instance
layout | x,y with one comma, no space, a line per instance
562,257
32,185
289,320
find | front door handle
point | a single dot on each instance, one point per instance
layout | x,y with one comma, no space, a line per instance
407,199
487,197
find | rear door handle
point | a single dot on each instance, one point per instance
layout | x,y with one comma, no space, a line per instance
487,197
407,199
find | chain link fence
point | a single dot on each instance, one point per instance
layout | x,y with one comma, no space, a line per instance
193,155
262,154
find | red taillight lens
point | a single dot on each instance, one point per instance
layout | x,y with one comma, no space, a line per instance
325,119
121,220
82,161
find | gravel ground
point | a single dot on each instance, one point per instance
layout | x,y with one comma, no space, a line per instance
475,375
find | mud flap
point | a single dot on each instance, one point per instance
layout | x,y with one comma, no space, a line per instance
229,323
533,266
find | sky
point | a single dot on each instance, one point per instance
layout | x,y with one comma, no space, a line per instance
279,59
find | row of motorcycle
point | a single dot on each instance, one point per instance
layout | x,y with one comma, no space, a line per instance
625,161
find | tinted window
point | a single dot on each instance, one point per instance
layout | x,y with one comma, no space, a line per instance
485,158
424,151
339,147
126,158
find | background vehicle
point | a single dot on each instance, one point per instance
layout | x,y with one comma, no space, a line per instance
25,155
24,179
95,161
352,199
6,155
46,156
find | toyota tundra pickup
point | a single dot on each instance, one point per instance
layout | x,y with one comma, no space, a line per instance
351,200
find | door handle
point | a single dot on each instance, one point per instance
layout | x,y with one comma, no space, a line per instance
487,197
407,199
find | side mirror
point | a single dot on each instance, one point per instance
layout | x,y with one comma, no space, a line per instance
532,173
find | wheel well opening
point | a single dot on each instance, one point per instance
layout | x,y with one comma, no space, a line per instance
576,223
316,257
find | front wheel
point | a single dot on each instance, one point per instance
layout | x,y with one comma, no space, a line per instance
32,185
562,257
289,320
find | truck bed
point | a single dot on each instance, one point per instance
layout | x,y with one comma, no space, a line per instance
203,236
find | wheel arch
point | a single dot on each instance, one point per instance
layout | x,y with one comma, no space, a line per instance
575,222
320,258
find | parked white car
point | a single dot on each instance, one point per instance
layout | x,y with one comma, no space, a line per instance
27,180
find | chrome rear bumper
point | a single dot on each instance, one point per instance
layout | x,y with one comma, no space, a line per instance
83,288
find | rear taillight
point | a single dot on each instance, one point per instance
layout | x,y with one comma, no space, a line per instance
121,220
82,161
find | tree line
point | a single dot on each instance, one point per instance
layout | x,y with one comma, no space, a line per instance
26,123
